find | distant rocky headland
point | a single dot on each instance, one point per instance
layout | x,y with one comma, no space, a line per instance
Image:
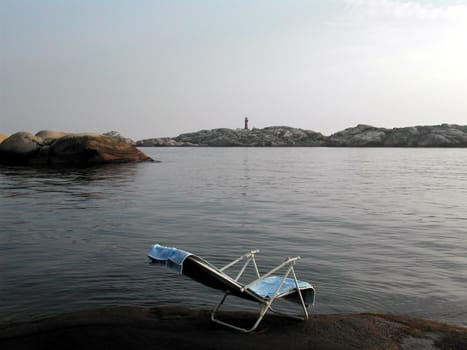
56,149
444,135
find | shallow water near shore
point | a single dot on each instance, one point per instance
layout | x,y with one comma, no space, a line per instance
379,230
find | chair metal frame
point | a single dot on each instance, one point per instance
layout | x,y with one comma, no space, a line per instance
266,302
265,293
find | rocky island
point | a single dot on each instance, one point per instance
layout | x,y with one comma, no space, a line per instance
444,135
270,136
54,148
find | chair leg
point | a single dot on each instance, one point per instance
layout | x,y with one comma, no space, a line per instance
262,312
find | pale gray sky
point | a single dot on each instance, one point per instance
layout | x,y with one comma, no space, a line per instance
160,68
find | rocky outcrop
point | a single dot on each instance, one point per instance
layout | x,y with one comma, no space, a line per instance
51,135
19,148
3,137
91,149
445,135
271,136
55,149
162,142
117,135
361,135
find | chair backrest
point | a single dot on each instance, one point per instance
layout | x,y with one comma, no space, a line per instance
199,270
205,273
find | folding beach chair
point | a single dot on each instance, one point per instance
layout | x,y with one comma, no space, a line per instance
264,289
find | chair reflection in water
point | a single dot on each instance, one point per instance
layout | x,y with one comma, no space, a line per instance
264,289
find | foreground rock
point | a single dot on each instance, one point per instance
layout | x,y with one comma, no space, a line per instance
445,135
50,148
177,328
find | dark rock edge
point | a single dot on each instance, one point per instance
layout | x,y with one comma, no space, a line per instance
183,328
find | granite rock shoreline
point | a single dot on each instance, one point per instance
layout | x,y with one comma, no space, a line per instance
183,328
59,149
444,135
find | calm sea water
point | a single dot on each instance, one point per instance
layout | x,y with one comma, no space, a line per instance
381,230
